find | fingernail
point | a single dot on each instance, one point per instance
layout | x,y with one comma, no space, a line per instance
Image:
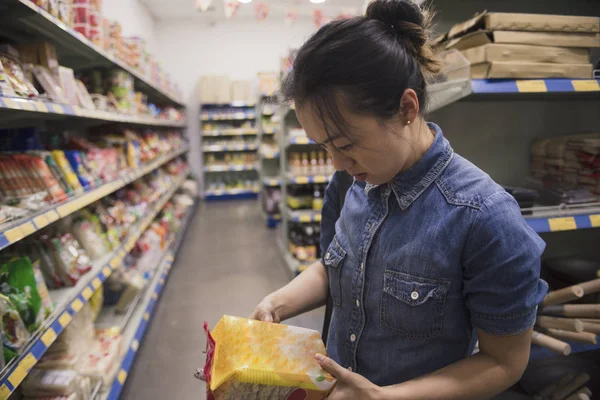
319,357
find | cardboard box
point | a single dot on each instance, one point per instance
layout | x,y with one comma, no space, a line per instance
529,70
242,91
222,90
520,52
526,22
214,89
555,39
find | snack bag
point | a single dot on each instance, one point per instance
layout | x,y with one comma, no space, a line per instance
258,360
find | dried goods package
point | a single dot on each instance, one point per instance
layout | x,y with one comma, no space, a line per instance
258,360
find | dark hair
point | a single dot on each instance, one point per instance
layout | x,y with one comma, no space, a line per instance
367,62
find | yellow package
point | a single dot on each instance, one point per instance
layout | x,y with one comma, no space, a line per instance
249,360
65,167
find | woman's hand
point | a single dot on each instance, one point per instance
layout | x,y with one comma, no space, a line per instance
266,311
349,386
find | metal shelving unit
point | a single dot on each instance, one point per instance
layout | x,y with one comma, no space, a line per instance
268,154
230,146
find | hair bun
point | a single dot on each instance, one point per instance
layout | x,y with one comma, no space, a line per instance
411,26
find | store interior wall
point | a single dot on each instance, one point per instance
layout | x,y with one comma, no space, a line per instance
135,18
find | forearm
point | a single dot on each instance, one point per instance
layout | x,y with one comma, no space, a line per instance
476,377
306,292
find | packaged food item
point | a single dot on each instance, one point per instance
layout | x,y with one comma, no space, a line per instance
9,57
50,85
70,259
14,332
256,360
56,383
6,89
67,171
102,359
83,175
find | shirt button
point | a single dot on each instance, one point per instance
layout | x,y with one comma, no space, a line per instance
414,295
353,338
362,267
357,303
327,256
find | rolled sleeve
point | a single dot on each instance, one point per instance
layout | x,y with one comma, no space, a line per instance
502,260
330,213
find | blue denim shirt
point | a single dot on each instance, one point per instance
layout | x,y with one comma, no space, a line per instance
417,264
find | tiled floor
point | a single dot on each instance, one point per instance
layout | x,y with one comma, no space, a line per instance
228,262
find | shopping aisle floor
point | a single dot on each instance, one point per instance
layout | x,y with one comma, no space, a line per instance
228,262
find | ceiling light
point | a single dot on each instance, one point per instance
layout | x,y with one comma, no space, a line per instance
317,1
245,1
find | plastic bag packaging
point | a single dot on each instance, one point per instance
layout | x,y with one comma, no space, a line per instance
56,382
258,360
67,171
14,332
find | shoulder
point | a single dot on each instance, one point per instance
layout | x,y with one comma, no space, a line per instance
463,184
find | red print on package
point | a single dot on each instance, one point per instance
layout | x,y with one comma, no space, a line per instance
298,394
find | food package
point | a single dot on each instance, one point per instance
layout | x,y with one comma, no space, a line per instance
258,360
49,84
56,383
102,359
69,87
13,71
6,89
14,332
67,171
83,175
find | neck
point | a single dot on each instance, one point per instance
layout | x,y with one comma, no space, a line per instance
422,138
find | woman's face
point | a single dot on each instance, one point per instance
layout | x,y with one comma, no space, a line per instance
371,151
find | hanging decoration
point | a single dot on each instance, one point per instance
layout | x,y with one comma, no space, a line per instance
319,17
231,7
291,16
203,5
262,10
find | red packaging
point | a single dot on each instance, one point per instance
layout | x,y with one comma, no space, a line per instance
84,29
44,173
81,14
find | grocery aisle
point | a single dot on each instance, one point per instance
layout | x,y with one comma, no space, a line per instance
227,263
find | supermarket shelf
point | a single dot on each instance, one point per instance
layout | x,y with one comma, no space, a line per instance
239,116
308,179
230,194
232,104
49,110
300,140
135,331
269,155
272,182
303,216
28,225
538,352
224,168
70,301
535,85
220,148
294,267
232,132
74,49
269,131
555,219
273,220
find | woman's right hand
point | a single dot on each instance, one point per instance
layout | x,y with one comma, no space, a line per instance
266,312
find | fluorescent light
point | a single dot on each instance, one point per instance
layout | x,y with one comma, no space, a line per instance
245,1
317,1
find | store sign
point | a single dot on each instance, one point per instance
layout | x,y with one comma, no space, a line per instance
262,10
231,7
203,5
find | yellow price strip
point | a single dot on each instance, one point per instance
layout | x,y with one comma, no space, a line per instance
55,108
10,103
305,218
4,392
49,337
106,271
65,319
562,224
114,263
52,216
13,235
41,106
27,228
320,179
87,293
77,305
122,376
154,296
146,316
28,106
595,220
41,221
28,362
301,180
135,345
17,376
532,86
586,85
96,283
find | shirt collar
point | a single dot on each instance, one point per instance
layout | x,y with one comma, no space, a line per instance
408,185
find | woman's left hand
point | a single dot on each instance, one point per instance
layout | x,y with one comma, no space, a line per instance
349,386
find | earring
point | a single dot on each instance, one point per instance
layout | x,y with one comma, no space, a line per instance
408,122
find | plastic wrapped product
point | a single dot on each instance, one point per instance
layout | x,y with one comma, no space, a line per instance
49,84
90,237
254,360
14,72
83,175
14,332
103,358
67,171
52,382
6,89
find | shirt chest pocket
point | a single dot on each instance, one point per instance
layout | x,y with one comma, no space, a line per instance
413,306
334,259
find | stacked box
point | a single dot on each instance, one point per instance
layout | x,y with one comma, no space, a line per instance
510,45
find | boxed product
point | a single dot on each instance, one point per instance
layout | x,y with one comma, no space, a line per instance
494,52
530,70
257,360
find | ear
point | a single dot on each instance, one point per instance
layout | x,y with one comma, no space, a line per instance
409,106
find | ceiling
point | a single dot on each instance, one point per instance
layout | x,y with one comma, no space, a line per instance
278,9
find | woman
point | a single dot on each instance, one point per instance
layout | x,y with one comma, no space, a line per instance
429,254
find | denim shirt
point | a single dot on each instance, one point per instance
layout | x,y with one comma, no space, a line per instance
417,264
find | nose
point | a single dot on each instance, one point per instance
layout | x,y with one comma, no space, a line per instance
340,161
